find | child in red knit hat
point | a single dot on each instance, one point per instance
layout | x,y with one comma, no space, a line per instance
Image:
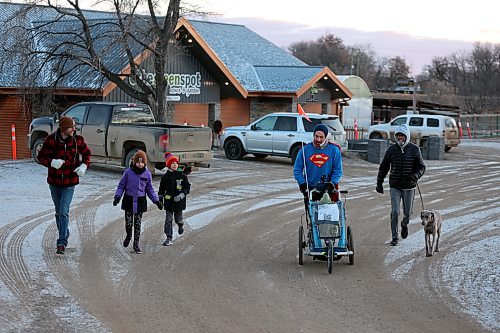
174,187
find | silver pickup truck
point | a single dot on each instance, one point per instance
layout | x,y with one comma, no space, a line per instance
115,131
279,134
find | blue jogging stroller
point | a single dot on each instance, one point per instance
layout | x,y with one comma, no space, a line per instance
323,233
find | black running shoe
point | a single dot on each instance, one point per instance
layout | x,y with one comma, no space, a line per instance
394,242
126,242
404,231
181,229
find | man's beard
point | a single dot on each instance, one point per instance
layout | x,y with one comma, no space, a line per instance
321,144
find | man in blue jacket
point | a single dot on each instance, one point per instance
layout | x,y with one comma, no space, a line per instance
406,165
317,161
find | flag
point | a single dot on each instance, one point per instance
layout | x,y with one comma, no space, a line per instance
302,113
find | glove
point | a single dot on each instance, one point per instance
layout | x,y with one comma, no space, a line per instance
303,187
56,163
116,200
80,170
159,205
179,197
414,178
380,189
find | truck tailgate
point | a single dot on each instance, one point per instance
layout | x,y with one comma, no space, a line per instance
183,139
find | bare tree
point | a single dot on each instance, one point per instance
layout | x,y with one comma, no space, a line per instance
391,72
329,50
74,41
473,78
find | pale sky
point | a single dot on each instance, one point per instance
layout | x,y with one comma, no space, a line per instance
417,31
443,19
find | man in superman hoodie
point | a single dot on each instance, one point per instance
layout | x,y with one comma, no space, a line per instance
323,164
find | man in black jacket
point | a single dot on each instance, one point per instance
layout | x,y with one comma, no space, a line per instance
406,165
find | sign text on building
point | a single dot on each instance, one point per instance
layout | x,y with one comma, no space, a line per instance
178,84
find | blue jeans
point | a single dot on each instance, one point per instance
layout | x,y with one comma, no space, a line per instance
62,196
396,197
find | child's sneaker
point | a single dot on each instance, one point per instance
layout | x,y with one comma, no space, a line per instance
167,242
181,229
137,250
60,249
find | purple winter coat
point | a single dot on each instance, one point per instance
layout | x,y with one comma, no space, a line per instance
134,187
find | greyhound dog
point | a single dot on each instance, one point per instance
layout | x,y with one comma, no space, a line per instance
431,220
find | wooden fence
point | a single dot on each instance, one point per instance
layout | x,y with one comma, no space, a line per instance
351,135
480,125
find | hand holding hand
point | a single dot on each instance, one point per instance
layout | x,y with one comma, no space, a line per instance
379,189
56,163
80,170
179,197
116,200
159,205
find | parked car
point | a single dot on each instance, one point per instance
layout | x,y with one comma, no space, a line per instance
115,131
279,134
421,126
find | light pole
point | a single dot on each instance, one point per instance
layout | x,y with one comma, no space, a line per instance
412,84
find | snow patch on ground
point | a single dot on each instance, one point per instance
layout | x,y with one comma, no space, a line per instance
474,280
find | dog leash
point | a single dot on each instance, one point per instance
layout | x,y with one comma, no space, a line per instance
421,200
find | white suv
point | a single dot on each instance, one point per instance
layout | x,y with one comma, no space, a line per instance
279,134
421,126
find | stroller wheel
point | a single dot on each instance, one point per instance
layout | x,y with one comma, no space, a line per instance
330,257
350,245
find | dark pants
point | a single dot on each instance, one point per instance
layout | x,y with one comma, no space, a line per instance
169,217
132,219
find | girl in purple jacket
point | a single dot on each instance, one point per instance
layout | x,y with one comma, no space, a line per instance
134,185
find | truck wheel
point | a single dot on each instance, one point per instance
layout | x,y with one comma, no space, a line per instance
233,149
36,149
294,153
375,135
131,154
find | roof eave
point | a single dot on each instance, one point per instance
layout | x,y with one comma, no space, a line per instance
290,94
57,91
325,72
183,22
